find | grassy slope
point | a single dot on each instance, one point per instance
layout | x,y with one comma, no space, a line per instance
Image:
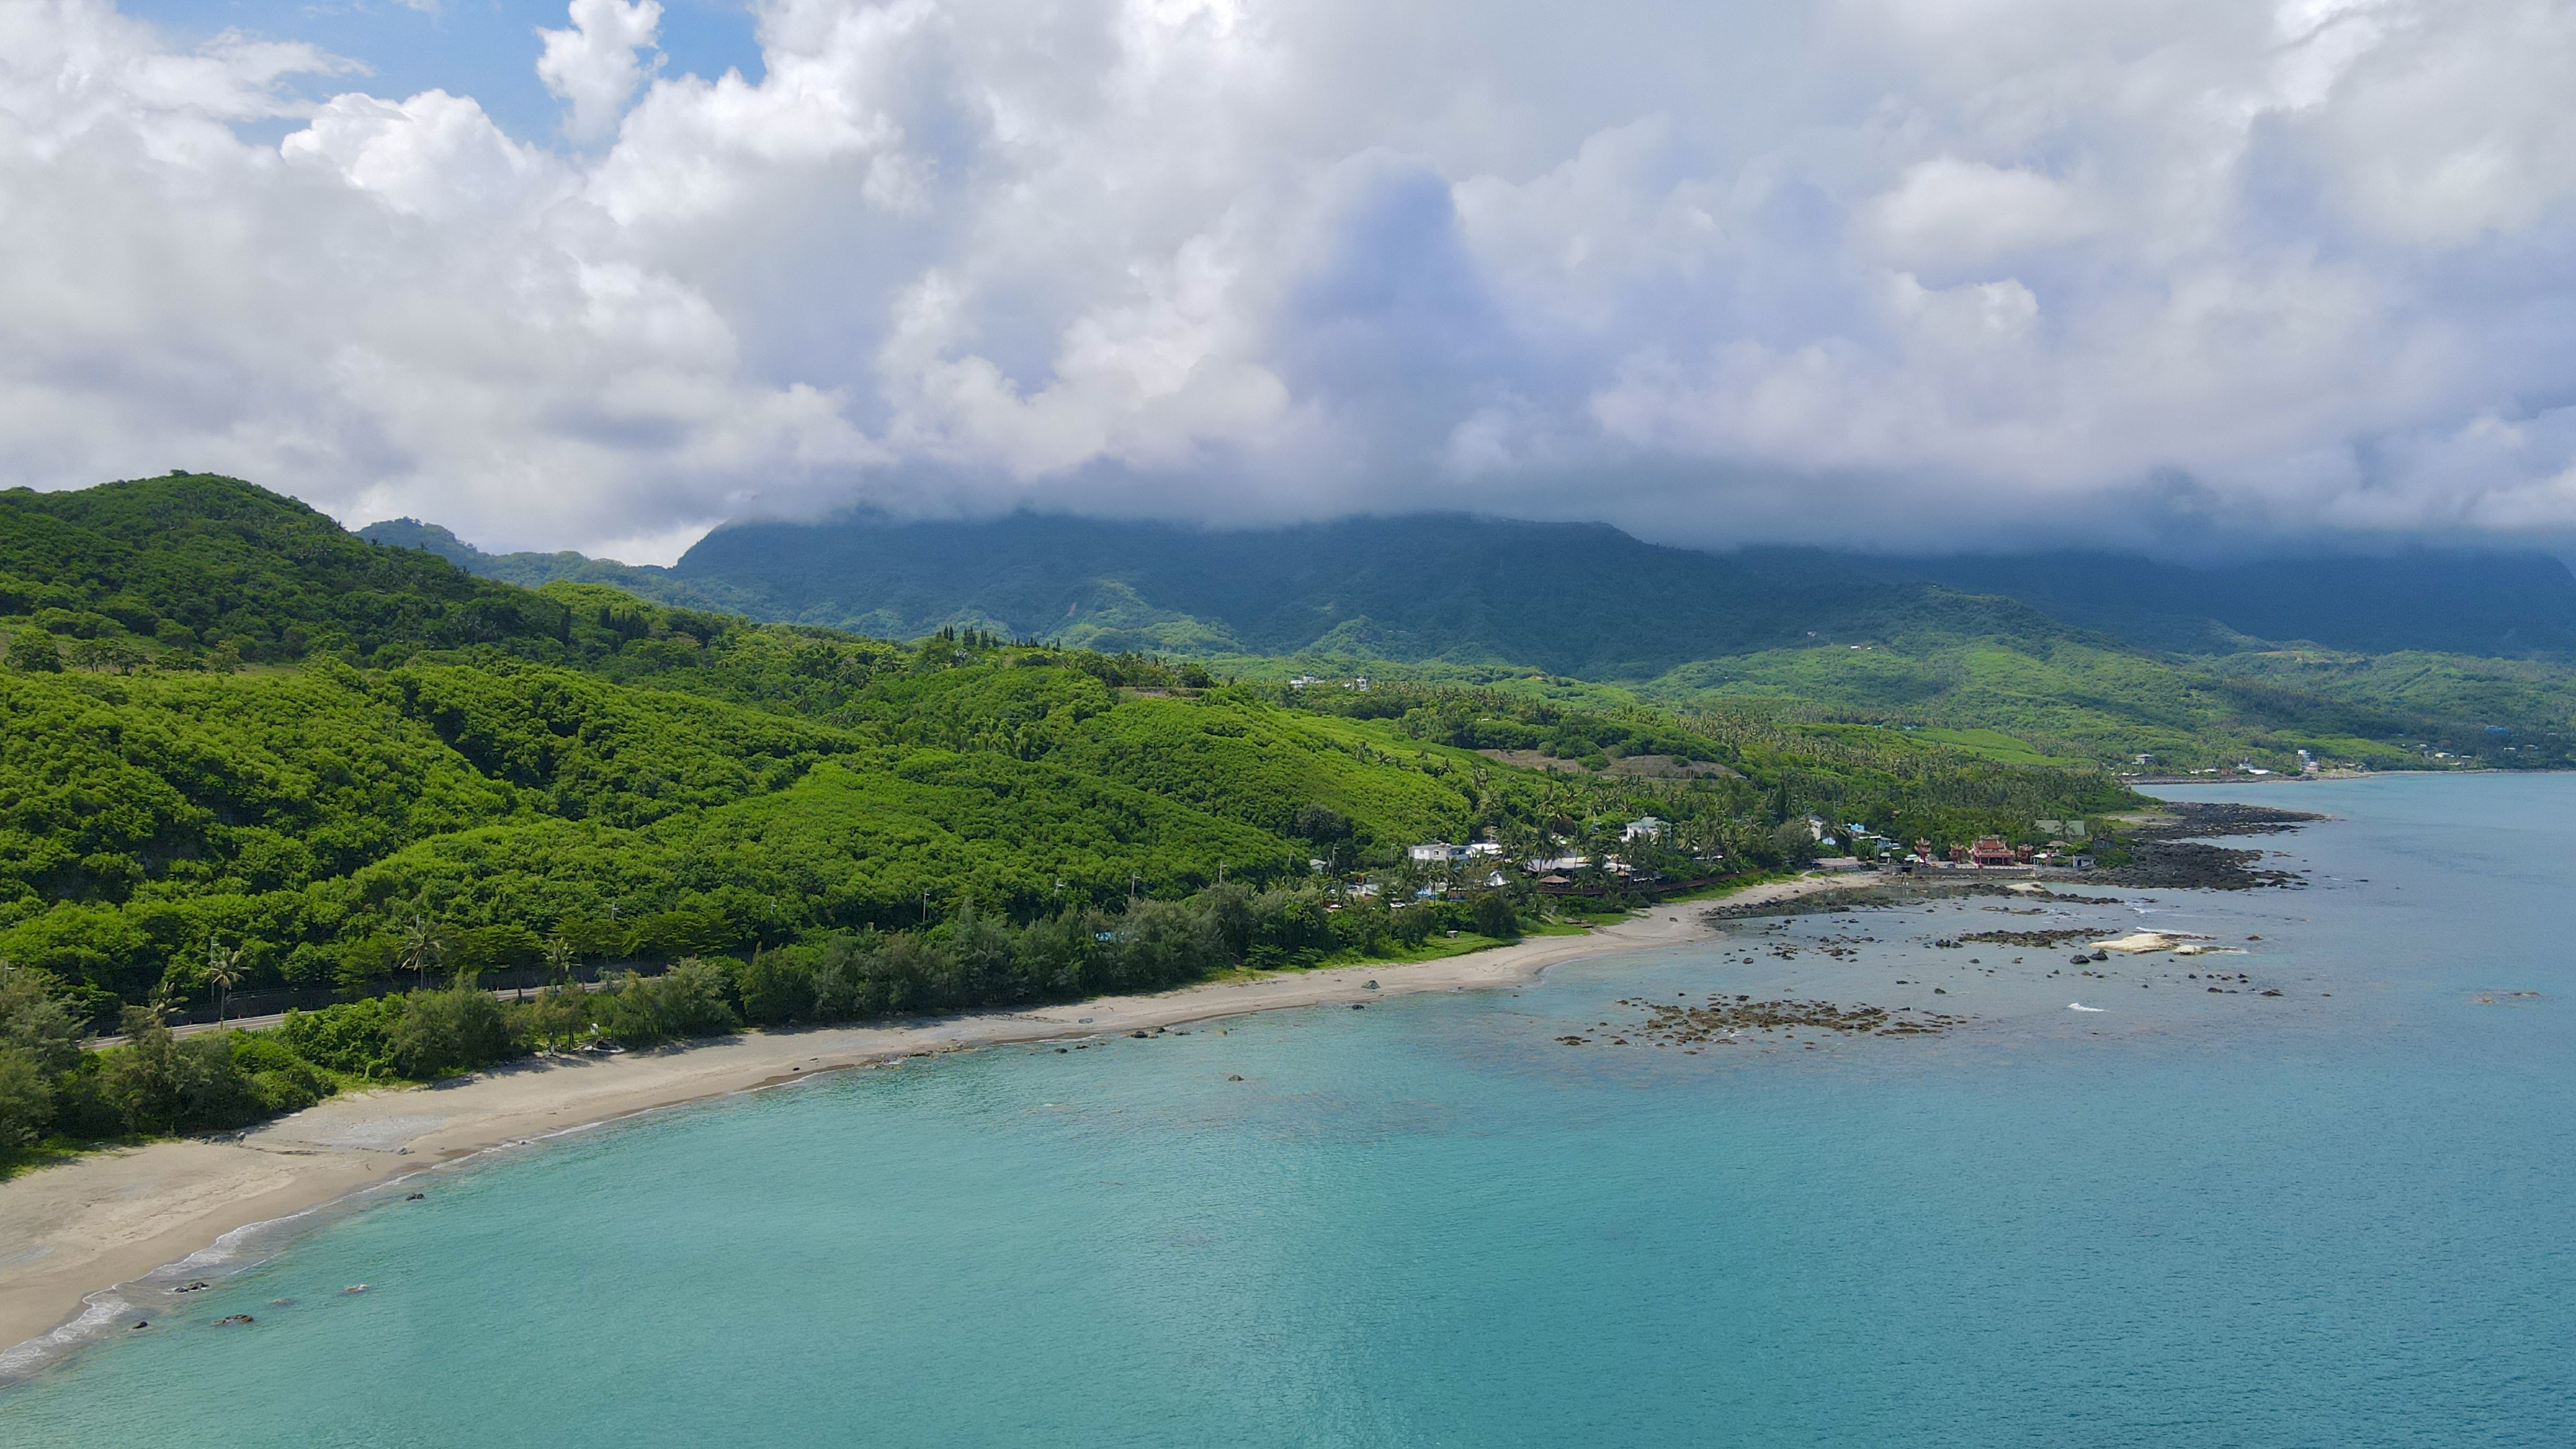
2079,700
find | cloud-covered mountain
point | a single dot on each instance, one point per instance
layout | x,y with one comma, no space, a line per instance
1869,273
1577,599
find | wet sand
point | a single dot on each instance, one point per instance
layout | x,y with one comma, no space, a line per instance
73,1230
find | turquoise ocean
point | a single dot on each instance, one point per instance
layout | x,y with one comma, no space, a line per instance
2337,1216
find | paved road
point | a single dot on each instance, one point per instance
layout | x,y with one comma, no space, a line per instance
257,1023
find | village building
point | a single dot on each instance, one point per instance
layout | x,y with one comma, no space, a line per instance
1645,827
1991,851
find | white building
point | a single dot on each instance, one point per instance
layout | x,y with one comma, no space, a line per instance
1438,852
1645,828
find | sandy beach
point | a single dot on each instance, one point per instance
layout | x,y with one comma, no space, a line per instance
106,1219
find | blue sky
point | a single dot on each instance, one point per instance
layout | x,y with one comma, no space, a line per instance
483,48
2201,277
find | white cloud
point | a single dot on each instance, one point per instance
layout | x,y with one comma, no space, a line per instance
434,155
593,64
1877,270
1946,212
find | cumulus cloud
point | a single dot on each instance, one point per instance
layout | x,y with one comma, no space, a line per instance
593,65
1871,271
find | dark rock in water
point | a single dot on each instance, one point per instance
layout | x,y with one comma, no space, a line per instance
1359,1006
1140,1036
1372,986
415,1197
143,1323
233,1318
1940,990
2048,939
2274,991
1721,1020
2100,956
1234,1079
1059,1051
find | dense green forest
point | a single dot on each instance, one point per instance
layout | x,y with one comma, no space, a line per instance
243,751
303,743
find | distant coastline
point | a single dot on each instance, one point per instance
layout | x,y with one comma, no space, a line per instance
87,1227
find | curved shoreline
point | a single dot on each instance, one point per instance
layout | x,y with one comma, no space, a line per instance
78,1231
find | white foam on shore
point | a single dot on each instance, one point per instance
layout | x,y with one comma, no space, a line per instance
104,1313
244,1248
98,1311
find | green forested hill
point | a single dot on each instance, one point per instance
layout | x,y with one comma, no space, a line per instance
2486,605
1576,599
226,723
2089,657
201,564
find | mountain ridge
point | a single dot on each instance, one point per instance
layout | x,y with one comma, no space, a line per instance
1582,599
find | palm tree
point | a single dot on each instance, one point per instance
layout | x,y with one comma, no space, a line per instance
224,969
560,961
423,945
163,1000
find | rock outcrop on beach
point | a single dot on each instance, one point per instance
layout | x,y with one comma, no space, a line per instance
2173,851
1723,1021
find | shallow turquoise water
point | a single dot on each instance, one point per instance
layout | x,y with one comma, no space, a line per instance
2184,1219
